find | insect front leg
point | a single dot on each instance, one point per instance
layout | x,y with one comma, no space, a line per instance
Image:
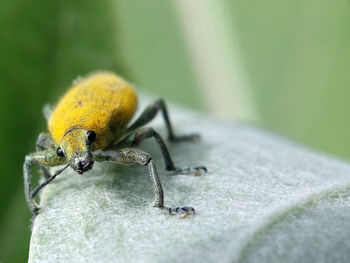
47,158
135,137
44,142
150,112
129,156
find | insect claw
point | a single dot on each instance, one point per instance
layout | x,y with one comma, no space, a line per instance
36,210
196,171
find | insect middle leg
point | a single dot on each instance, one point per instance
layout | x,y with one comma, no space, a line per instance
135,137
150,112
129,156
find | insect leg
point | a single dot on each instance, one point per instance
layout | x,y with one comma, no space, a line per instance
47,158
135,137
150,112
44,142
47,111
129,156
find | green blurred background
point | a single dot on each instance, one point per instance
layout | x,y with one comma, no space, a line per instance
283,65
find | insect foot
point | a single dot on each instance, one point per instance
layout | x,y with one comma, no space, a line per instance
35,210
185,138
196,171
182,212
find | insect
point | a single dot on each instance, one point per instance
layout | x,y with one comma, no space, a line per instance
90,124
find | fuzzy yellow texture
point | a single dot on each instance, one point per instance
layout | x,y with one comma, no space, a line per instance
102,102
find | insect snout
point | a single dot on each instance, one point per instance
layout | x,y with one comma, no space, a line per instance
81,164
84,166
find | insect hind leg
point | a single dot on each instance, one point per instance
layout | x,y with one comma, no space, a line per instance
148,115
47,111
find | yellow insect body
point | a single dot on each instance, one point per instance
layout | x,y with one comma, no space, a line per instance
103,103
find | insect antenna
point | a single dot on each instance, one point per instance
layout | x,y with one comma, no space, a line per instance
38,188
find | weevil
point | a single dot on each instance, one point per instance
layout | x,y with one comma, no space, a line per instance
90,124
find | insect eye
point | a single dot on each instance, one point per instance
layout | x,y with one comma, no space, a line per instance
91,136
59,152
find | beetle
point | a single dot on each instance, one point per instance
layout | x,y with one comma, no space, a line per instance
91,123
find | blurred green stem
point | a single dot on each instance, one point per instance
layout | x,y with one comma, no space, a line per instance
216,58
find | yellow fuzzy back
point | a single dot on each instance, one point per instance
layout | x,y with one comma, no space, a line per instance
102,102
